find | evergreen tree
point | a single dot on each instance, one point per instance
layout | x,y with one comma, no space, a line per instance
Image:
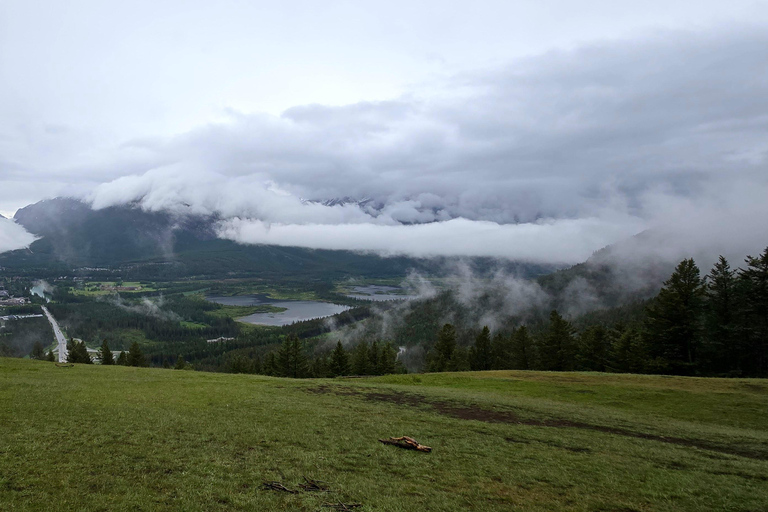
374,358
481,357
122,359
51,357
460,360
558,347
38,352
291,360
361,359
181,364
674,323
521,349
387,360
593,348
754,280
106,354
77,352
339,361
501,352
722,334
628,354
136,356
270,365
442,352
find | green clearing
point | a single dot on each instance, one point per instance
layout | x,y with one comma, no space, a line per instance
99,288
119,438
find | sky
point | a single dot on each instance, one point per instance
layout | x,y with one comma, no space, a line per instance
537,130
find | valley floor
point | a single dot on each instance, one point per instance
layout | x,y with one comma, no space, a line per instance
122,438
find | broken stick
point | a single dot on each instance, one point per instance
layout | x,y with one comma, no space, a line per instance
406,442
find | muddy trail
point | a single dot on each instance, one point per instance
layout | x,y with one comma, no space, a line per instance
473,412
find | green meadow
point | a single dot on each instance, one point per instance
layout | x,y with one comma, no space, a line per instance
91,438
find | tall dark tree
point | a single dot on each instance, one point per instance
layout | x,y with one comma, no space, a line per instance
78,353
593,348
339,361
122,358
38,352
628,353
50,357
675,319
361,359
521,349
722,336
481,356
441,354
558,347
181,364
755,285
106,354
291,360
136,356
374,358
387,360
501,352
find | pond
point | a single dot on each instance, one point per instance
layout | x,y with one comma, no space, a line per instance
295,310
379,293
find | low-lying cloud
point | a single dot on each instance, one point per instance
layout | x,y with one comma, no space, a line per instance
546,159
13,236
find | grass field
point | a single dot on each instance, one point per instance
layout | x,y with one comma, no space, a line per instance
117,438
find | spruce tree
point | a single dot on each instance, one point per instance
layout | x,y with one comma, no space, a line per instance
38,352
754,280
181,364
593,349
722,310
441,354
77,352
51,357
558,347
106,354
361,359
387,359
122,359
501,352
374,359
521,349
675,318
481,357
136,356
339,361
291,360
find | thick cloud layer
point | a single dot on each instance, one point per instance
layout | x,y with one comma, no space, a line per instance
13,236
547,159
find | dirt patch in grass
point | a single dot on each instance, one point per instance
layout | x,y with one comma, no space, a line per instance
473,412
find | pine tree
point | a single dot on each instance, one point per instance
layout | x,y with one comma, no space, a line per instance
593,348
521,349
361,359
37,351
374,358
674,321
339,361
181,364
481,357
51,357
122,359
387,359
722,334
106,354
754,280
501,352
441,354
77,352
627,353
558,347
291,360
136,356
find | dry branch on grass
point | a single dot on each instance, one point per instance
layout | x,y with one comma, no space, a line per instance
277,486
342,506
406,442
314,485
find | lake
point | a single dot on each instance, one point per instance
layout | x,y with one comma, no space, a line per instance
378,293
295,310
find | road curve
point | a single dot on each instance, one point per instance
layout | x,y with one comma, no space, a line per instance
60,339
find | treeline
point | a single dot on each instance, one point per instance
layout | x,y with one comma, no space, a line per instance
292,359
715,325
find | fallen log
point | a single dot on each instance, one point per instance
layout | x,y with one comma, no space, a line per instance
407,443
314,485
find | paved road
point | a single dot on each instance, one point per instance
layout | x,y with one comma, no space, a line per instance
60,339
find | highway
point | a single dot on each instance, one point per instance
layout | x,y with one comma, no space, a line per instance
60,339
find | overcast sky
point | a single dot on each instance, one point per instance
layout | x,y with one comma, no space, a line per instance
540,129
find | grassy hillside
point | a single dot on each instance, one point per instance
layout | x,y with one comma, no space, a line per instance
118,438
